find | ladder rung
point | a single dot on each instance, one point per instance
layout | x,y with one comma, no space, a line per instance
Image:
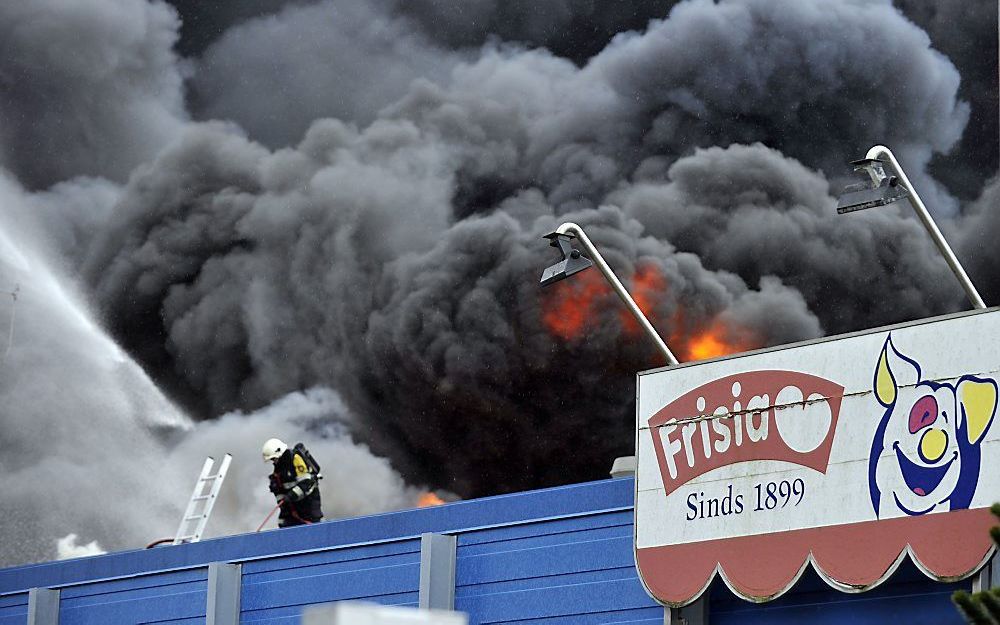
196,522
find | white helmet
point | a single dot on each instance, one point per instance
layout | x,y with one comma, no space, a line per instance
273,449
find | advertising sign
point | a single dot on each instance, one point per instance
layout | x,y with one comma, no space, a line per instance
848,453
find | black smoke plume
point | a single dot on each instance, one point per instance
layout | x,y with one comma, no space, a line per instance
89,88
323,220
964,31
398,261
338,263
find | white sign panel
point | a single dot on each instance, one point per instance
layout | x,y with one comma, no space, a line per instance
846,452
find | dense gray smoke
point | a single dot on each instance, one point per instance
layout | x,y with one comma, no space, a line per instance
746,83
225,248
204,21
978,248
348,60
86,88
711,74
345,248
490,379
576,29
749,210
355,481
92,448
965,31
337,263
397,262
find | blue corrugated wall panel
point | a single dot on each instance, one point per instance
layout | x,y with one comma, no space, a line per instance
164,598
559,556
14,609
563,501
278,589
576,570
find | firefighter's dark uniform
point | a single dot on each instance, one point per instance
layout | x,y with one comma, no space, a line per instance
297,489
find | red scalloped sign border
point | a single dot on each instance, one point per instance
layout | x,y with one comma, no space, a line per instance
852,557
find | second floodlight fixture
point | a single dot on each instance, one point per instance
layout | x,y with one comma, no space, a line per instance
881,189
573,261
878,189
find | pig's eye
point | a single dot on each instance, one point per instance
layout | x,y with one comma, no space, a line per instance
923,413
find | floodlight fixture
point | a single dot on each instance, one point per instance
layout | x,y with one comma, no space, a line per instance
882,188
878,189
574,262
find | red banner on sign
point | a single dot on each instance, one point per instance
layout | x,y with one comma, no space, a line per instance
733,419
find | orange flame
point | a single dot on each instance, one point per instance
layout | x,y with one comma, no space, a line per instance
648,284
427,500
705,346
718,340
565,311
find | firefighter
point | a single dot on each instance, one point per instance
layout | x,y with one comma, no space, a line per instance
294,482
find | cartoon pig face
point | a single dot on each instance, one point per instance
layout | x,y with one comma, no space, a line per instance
926,452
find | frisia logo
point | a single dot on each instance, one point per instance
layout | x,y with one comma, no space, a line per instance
758,415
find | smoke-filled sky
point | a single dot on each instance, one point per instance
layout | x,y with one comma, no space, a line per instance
322,220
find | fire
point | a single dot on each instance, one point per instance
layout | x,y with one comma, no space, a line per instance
427,500
718,340
566,310
707,345
571,306
648,284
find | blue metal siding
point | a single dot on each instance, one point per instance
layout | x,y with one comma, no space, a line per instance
279,588
560,556
457,517
163,598
600,524
574,570
551,602
14,609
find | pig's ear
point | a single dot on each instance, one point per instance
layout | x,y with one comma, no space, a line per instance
977,398
892,371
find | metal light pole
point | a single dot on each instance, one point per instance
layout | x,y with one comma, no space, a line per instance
572,263
885,189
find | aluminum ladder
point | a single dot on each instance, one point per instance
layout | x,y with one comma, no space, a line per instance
206,500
